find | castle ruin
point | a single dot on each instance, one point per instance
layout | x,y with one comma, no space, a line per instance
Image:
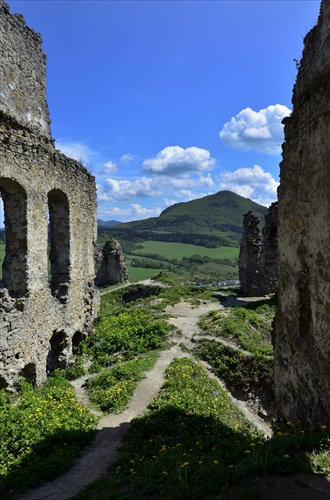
248,261
302,338
258,256
47,296
110,266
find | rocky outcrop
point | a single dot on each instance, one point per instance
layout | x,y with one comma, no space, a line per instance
248,262
302,340
47,296
267,275
110,264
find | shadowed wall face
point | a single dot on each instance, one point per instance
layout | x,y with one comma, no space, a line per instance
302,340
50,215
249,256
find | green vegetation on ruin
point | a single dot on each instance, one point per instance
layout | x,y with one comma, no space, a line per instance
193,442
250,327
42,432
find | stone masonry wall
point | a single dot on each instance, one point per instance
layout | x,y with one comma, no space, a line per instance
49,201
23,74
110,267
267,275
258,257
248,262
302,340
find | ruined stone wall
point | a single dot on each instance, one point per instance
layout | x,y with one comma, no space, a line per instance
44,310
111,267
248,262
22,75
267,275
258,257
302,340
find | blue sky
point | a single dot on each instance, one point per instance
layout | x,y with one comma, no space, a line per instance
168,101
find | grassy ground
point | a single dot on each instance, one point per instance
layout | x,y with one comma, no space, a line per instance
246,364
139,273
192,443
174,250
179,250
42,432
176,261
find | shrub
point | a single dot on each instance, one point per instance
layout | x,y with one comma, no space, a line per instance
128,333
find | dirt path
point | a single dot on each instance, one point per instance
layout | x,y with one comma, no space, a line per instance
111,428
185,318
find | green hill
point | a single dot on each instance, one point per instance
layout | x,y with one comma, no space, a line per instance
107,223
213,221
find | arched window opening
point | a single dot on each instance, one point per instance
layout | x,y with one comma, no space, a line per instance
58,354
2,237
59,244
3,383
29,373
76,339
13,238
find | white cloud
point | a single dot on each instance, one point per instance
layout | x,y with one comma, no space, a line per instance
76,150
110,167
174,160
168,202
113,189
261,130
127,158
144,212
252,183
177,187
114,212
206,180
134,211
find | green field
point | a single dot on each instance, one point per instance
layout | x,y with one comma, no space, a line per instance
179,250
176,251
173,258
140,273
